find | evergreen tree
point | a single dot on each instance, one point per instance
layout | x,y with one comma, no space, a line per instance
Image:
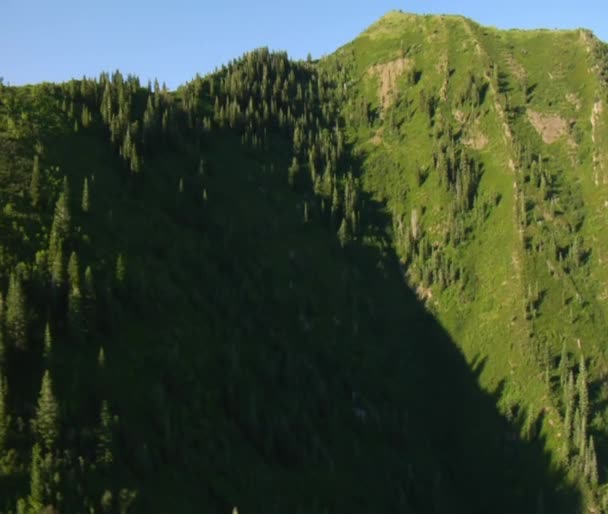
335,204
56,261
292,172
592,472
37,486
85,117
73,272
16,323
89,298
344,233
74,298
65,189
35,186
134,160
101,358
2,347
563,366
577,436
86,204
106,501
46,422
62,218
121,270
568,422
583,393
22,506
89,286
3,413
104,443
48,341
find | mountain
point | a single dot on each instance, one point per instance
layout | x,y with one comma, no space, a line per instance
368,283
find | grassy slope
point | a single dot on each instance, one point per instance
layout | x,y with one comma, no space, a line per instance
547,72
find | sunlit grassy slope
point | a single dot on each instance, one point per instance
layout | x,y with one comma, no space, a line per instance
529,108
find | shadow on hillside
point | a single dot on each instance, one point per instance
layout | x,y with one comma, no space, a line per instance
349,396
411,388
491,468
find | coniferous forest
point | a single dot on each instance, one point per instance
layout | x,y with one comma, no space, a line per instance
372,282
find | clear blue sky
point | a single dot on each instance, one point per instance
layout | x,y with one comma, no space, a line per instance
56,40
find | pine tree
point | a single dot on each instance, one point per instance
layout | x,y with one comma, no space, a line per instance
36,498
104,443
2,347
73,272
292,173
592,472
335,204
125,149
48,341
577,429
312,169
16,323
22,507
65,188
583,435
62,218
47,414
56,261
121,271
569,392
583,393
3,413
101,358
106,501
344,233
563,366
74,298
85,203
89,299
134,160
35,186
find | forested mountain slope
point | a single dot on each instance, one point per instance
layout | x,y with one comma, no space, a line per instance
371,283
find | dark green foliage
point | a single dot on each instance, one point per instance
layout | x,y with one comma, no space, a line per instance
35,185
121,270
48,341
2,323
46,423
36,499
86,202
89,301
581,385
101,358
75,308
344,233
292,172
4,418
15,317
104,444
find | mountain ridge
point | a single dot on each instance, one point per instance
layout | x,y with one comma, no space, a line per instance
349,284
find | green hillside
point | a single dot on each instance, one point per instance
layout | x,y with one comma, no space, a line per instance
369,283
